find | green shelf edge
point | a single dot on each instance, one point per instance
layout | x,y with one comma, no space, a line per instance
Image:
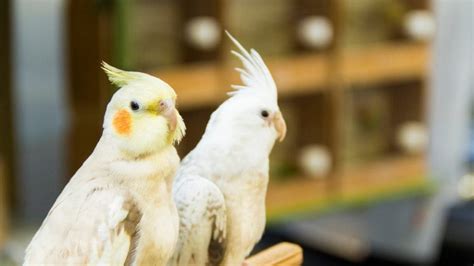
335,203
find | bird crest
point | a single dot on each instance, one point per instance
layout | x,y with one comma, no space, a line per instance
119,77
255,75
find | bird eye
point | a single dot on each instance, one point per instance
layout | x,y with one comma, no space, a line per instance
134,106
264,113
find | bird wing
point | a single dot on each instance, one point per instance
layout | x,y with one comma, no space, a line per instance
98,227
202,231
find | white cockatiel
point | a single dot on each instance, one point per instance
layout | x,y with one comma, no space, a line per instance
118,209
221,185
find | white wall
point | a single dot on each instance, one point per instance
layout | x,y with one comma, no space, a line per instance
39,103
453,88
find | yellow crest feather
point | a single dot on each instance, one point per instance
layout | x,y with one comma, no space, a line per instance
117,76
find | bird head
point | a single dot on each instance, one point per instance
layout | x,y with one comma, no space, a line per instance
253,107
141,116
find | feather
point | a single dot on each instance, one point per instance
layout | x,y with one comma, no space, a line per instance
103,232
255,74
203,221
120,78
117,76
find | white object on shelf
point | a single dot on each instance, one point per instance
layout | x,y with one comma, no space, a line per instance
315,161
466,186
420,25
315,31
412,137
204,33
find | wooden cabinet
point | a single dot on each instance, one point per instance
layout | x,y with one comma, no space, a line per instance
317,87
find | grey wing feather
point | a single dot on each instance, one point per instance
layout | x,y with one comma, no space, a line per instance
202,212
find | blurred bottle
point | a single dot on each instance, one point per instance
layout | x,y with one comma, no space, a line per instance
201,32
314,29
412,137
419,25
315,161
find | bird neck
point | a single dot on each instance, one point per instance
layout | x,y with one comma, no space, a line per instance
230,158
136,171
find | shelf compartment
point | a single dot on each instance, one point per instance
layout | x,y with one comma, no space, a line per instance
358,185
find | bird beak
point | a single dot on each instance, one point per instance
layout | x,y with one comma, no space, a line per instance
280,126
168,110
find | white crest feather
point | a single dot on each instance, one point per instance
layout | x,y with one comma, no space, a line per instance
255,75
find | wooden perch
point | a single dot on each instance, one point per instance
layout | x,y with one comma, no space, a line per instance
281,254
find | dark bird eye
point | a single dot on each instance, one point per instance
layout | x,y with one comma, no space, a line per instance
134,105
264,113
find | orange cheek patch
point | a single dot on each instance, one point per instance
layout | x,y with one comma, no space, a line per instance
122,122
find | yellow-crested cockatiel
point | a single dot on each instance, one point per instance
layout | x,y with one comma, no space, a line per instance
118,209
221,185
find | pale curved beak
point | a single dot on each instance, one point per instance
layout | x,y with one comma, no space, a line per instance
280,125
168,110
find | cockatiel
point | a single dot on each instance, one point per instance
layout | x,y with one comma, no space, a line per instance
221,185
118,209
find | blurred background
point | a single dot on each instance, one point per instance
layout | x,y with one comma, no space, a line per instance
377,165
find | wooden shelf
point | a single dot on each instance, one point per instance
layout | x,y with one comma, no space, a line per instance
356,185
299,74
207,84
196,85
389,62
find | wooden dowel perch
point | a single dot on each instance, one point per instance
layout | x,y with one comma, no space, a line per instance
281,254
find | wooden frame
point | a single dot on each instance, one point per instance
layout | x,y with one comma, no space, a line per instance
4,217
89,38
6,141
